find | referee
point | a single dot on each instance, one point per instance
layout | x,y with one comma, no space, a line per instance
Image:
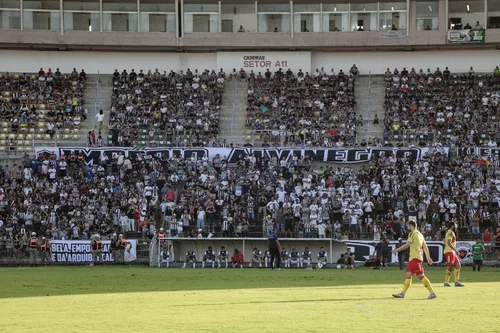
274,250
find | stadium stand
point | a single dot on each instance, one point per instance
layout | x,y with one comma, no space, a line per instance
57,197
289,108
174,109
455,109
42,106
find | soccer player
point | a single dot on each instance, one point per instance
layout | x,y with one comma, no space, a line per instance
305,258
223,256
237,259
209,256
451,256
322,257
294,258
165,256
190,257
284,257
349,259
416,243
267,258
477,255
256,257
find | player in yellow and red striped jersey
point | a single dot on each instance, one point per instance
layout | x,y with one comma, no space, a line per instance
416,243
451,256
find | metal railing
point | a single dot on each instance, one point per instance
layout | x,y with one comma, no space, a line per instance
96,99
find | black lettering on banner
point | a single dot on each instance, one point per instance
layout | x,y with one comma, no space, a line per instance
489,152
358,155
335,155
313,154
235,154
280,153
196,153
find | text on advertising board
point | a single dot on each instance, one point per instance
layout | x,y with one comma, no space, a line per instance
261,62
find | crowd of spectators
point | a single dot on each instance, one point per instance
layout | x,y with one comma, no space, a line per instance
301,108
170,109
62,199
41,105
456,109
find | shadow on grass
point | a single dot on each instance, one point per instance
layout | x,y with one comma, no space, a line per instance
59,281
271,301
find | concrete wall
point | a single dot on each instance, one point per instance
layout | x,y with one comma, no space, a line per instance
104,62
374,62
219,41
377,62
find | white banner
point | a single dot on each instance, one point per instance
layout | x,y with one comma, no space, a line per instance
334,155
80,251
261,61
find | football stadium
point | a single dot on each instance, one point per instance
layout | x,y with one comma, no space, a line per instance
249,166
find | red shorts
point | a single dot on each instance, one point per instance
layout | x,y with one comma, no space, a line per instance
451,259
415,267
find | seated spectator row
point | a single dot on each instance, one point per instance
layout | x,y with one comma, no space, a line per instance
450,108
301,108
175,109
45,105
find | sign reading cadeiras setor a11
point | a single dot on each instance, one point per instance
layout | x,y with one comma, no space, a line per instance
261,61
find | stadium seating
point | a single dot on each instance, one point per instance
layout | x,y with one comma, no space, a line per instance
42,106
301,108
174,109
448,108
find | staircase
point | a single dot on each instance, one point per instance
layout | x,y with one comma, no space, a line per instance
233,113
98,92
369,93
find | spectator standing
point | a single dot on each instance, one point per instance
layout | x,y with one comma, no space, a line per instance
114,246
100,120
274,246
477,255
45,251
33,249
96,250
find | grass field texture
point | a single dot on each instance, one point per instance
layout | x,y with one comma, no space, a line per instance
143,299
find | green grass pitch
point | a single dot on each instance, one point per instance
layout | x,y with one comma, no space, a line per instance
143,299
